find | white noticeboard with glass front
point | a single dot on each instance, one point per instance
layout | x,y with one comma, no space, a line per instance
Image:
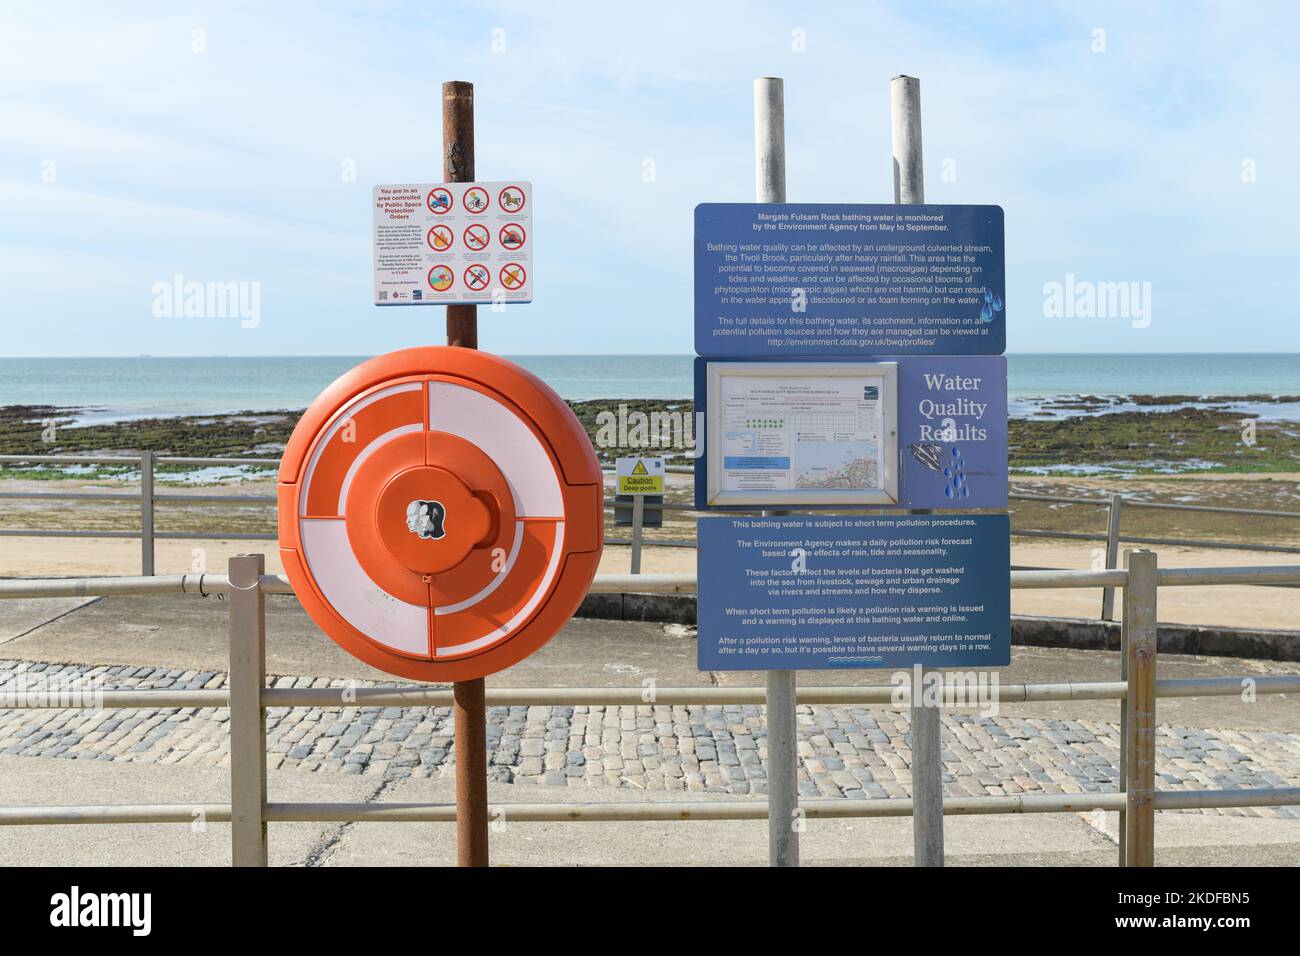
785,434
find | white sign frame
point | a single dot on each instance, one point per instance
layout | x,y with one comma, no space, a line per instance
886,495
404,258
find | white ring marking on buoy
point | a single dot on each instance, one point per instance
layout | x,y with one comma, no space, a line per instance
366,452
504,631
347,412
374,612
501,435
496,580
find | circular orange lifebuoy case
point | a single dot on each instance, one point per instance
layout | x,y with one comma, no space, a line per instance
440,513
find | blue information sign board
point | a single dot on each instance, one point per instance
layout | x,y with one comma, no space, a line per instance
819,592
814,279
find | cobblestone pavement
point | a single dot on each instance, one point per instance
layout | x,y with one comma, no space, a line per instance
850,752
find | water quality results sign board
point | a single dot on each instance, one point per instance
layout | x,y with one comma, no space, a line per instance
910,432
453,243
886,591
805,279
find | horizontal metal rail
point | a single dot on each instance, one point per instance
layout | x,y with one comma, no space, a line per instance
71,459
111,813
1172,542
42,533
415,695
205,584
656,542
1157,505
641,811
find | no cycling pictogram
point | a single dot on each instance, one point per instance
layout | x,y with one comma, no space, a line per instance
512,236
513,276
439,200
477,277
511,199
476,200
440,238
441,278
477,237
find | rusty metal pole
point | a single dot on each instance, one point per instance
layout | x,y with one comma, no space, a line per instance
458,167
469,713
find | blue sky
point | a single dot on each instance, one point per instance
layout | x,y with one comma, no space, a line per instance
226,163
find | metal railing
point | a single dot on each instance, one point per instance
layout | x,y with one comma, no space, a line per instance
249,812
149,498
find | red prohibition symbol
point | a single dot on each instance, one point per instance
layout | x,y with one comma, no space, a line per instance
439,200
476,200
477,277
512,236
477,237
440,238
441,278
513,275
511,199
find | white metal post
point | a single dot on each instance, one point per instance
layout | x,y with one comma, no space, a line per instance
638,523
146,513
1112,555
247,717
783,821
927,747
905,130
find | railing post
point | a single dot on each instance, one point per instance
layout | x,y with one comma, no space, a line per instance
247,716
783,821
1112,555
146,513
927,724
638,522
1138,729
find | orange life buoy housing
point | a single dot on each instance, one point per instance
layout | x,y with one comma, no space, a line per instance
440,513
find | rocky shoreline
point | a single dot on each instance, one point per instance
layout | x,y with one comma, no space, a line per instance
1170,435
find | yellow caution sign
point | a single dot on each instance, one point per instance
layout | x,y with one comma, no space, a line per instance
639,475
